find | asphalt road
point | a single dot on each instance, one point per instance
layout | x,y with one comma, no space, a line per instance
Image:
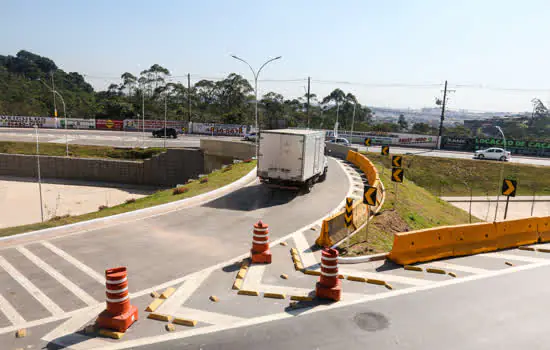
452,154
101,138
502,312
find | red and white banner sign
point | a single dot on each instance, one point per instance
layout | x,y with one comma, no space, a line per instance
109,124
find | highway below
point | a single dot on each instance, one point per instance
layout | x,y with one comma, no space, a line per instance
101,137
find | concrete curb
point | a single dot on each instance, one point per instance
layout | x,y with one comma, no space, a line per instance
362,259
146,212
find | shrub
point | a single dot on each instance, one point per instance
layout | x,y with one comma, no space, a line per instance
180,190
102,207
204,180
130,200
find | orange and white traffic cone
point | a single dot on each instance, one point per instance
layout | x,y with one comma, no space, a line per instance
119,314
329,285
260,252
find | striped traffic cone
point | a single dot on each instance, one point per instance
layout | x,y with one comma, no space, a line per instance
260,252
329,285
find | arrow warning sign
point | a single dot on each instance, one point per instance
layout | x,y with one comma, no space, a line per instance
385,150
397,174
348,215
509,187
397,161
369,196
367,142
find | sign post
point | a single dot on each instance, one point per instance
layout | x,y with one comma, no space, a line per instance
385,151
348,216
396,177
367,143
369,198
509,187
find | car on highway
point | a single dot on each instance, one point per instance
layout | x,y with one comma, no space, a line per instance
493,153
170,132
340,140
251,136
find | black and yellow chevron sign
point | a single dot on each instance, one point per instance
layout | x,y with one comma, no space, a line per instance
509,187
367,142
397,161
385,150
369,196
397,174
348,215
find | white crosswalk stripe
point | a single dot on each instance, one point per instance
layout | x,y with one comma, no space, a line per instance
76,290
11,314
84,268
514,257
31,288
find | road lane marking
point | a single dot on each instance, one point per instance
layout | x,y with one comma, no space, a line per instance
183,293
386,277
207,316
514,257
307,256
253,278
449,266
74,323
12,315
31,288
84,268
285,315
76,290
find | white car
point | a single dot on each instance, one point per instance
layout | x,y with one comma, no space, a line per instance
493,153
250,137
340,141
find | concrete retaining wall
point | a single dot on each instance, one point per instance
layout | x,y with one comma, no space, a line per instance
166,169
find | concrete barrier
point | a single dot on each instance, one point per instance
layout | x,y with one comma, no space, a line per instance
333,229
447,241
513,233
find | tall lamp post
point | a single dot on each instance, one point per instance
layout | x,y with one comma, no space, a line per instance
64,115
501,171
256,74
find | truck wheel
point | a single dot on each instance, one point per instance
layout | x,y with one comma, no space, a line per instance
308,186
323,176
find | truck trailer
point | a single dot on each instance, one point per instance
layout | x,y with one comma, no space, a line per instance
292,158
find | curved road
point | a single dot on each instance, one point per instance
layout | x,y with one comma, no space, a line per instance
156,250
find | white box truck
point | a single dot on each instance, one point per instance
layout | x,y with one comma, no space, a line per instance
292,158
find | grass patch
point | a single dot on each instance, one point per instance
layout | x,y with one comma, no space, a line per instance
415,208
81,151
216,180
455,177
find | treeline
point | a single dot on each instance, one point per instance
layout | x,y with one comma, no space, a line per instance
229,100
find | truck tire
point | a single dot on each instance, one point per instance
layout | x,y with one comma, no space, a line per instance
323,176
308,186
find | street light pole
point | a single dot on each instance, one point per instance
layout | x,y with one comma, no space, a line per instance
55,92
352,123
501,173
256,74
38,172
165,112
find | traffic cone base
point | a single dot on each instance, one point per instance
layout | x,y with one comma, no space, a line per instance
119,323
331,293
262,257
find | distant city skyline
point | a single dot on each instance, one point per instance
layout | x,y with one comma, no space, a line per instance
493,53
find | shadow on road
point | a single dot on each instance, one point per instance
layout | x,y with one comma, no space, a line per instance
252,198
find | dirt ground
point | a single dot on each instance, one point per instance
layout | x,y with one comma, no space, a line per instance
20,198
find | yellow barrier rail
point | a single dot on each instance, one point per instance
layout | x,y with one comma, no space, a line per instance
449,241
333,229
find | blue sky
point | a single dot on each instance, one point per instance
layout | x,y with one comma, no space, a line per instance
496,44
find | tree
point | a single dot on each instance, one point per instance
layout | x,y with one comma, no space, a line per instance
423,128
403,124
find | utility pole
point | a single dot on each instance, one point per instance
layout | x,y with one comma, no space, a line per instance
442,116
308,92
189,98
53,93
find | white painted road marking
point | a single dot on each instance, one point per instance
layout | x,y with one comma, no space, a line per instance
84,268
386,277
308,258
74,323
183,293
207,316
253,278
514,257
79,292
12,315
31,288
449,266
